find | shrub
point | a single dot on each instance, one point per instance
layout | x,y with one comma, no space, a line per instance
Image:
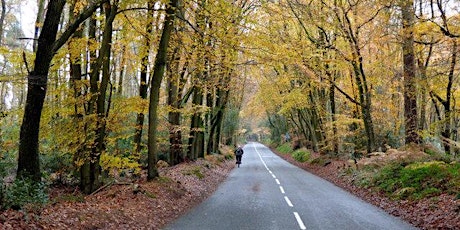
418,180
229,156
215,159
301,155
284,148
7,163
22,192
196,171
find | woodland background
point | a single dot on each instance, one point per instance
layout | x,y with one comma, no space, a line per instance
107,88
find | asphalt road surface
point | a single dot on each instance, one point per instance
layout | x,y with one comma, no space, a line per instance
267,192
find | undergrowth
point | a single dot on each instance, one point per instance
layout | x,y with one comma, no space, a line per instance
415,180
284,148
196,171
22,192
301,155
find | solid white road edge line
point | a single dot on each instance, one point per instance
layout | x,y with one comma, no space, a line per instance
299,221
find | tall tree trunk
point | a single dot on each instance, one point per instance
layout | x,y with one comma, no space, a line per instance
410,93
157,77
217,114
174,88
90,179
38,22
28,157
210,97
447,133
2,20
222,102
196,140
216,119
122,72
365,100
423,66
85,169
364,94
144,68
75,64
335,141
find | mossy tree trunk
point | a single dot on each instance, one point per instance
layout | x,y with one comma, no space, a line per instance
410,92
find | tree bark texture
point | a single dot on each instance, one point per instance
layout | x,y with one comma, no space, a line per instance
90,181
2,20
196,140
38,22
216,120
144,71
157,77
175,86
28,159
410,92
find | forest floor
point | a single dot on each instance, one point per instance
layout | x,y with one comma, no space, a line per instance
152,205
439,212
126,205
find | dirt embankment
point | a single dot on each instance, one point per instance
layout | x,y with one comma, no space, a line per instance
440,212
129,205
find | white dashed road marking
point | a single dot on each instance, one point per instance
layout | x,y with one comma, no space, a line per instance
297,216
282,189
288,201
299,221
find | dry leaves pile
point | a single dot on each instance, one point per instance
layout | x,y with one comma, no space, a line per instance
137,205
441,212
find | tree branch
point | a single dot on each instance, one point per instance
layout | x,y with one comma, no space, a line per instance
74,26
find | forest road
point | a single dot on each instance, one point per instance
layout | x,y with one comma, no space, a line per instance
267,192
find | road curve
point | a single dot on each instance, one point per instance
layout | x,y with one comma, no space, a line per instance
267,192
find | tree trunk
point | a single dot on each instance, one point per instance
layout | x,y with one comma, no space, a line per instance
423,66
85,169
216,120
28,157
410,93
75,65
196,140
158,72
220,118
364,100
122,72
38,22
447,133
333,111
174,89
90,181
2,21
143,84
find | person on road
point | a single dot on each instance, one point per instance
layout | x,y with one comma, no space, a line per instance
238,154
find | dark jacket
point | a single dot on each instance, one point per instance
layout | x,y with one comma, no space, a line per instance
239,151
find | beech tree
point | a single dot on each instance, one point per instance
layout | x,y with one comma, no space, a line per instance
410,94
157,77
143,75
48,44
